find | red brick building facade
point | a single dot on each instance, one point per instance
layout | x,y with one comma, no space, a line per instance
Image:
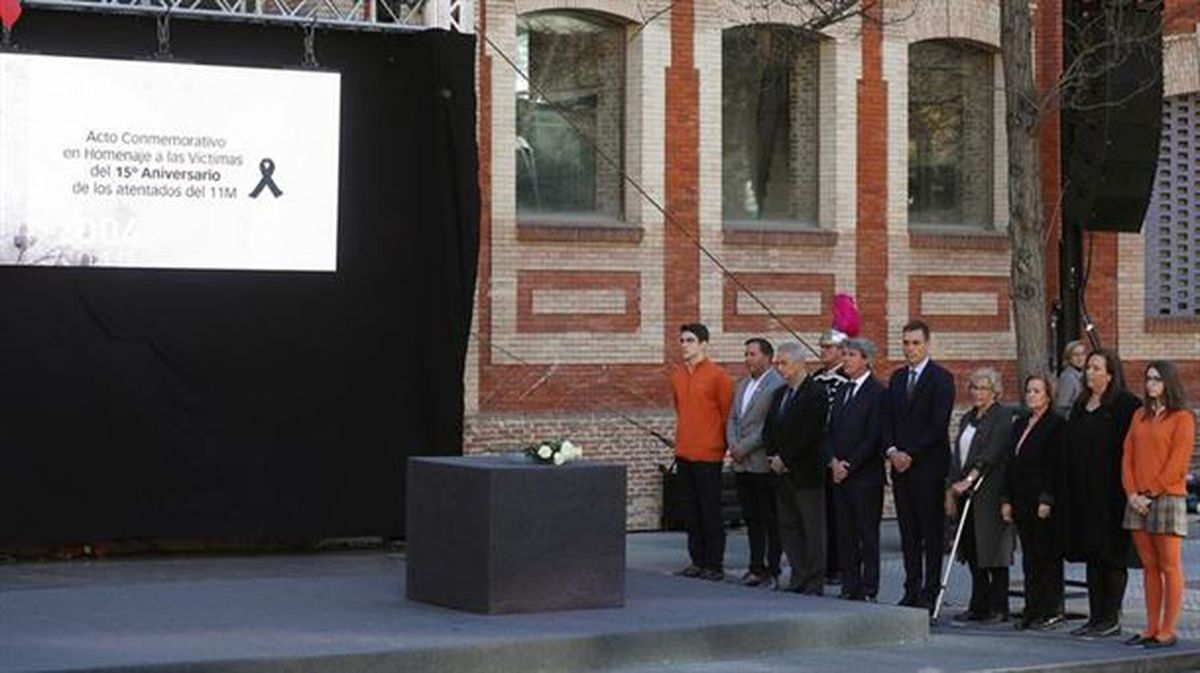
578,308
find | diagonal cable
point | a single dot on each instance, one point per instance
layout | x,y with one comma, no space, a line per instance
485,342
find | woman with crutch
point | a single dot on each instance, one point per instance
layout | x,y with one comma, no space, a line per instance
1090,502
977,463
1032,455
1158,450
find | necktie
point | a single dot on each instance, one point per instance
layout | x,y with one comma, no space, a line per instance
851,388
912,382
787,397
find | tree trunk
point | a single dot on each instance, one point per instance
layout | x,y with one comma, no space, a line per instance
1026,229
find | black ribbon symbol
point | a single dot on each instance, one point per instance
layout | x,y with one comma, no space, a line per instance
267,168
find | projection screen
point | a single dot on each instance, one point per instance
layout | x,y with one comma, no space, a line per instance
167,165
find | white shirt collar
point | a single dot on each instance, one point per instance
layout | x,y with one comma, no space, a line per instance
920,366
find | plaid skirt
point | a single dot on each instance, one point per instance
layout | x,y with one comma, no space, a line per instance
1168,516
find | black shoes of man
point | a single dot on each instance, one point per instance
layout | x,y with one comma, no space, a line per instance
1097,630
1038,623
694,571
981,617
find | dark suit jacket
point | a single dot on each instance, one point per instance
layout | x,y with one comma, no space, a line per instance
1030,474
920,426
796,433
855,433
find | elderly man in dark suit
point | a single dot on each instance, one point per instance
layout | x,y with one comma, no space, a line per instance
756,483
916,442
852,449
795,430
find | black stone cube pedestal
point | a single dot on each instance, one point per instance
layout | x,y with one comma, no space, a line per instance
494,534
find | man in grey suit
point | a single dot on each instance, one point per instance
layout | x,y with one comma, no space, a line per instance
756,482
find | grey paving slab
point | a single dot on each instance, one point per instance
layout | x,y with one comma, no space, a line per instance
663,551
951,652
347,611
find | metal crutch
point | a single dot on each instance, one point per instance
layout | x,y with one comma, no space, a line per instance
962,521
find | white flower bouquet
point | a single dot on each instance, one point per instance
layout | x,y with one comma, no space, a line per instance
554,452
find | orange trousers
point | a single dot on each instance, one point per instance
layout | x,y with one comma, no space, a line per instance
1162,560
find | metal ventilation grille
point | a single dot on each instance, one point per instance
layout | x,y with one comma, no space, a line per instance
1172,225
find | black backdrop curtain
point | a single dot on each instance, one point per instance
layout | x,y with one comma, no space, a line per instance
255,405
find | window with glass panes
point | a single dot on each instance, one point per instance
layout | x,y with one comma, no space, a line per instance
570,115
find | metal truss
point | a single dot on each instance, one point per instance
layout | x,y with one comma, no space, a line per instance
402,15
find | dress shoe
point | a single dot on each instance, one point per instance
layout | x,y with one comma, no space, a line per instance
1105,630
969,616
753,580
690,571
908,602
712,575
1083,630
1156,644
1046,623
1138,639
1026,621
993,618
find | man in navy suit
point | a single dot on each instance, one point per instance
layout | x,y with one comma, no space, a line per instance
852,449
916,443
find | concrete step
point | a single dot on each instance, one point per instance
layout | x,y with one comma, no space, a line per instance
991,650
348,612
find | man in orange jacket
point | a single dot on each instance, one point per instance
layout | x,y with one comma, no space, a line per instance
702,393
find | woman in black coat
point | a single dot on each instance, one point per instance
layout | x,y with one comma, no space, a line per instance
1090,498
1033,451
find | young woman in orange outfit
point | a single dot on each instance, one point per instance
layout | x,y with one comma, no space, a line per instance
1158,450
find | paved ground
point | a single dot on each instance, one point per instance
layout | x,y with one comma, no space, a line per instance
348,612
294,612
951,647
665,551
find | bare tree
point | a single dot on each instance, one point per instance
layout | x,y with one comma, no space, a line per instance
1099,41
1026,226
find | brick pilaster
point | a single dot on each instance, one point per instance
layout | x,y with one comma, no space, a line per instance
1049,50
871,256
1101,293
682,180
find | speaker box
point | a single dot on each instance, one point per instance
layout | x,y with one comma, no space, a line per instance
1112,112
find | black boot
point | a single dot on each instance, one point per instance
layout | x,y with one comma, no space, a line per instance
1095,591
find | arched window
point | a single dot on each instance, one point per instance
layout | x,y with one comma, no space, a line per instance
951,137
769,124
576,63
